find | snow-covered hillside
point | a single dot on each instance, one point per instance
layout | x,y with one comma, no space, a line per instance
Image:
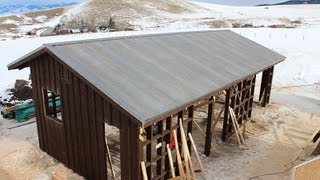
298,44
215,16
165,14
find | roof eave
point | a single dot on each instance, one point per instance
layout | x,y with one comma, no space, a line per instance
22,62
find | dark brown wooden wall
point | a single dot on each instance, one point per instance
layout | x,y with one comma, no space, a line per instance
78,141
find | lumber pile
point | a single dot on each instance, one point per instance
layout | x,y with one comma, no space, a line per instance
239,135
184,166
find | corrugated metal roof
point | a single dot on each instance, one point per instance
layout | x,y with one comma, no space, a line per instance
150,75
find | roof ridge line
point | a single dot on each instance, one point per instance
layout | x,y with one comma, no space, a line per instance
66,43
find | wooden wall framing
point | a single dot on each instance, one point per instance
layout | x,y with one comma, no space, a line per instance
240,98
157,161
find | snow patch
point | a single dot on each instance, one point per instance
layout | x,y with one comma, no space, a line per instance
41,19
9,21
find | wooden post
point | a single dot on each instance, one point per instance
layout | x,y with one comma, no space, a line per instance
180,116
160,149
226,116
265,89
253,84
207,148
263,85
149,150
189,130
125,149
130,150
167,140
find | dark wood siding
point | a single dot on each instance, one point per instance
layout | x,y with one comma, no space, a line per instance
78,140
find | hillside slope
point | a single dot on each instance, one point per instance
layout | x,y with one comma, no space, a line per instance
156,15
183,14
123,12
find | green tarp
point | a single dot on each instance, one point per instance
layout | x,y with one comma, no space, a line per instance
24,111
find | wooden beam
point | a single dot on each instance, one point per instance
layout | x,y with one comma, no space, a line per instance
207,148
226,117
167,139
110,160
180,166
197,153
170,161
189,129
149,150
186,152
125,149
253,85
180,116
131,150
265,89
144,171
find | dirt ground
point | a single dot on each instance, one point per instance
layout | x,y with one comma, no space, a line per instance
277,138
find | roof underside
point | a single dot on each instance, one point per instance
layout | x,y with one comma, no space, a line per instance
151,75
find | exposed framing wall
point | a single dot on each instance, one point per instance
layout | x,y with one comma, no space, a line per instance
240,98
157,162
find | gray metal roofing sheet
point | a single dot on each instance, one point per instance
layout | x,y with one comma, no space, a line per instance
151,75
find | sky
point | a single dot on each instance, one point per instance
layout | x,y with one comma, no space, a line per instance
242,2
38,2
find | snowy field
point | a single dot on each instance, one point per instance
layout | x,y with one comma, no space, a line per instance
210,15
302,66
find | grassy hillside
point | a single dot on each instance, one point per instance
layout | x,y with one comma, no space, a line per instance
125,11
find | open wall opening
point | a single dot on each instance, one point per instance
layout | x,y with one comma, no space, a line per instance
52,104
112,149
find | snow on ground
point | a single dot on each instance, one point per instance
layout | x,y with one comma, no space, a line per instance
208,14
308,13
298,45
302,66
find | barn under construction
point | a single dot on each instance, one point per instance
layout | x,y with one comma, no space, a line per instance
142,85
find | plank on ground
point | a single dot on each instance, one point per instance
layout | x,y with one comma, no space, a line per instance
309,170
